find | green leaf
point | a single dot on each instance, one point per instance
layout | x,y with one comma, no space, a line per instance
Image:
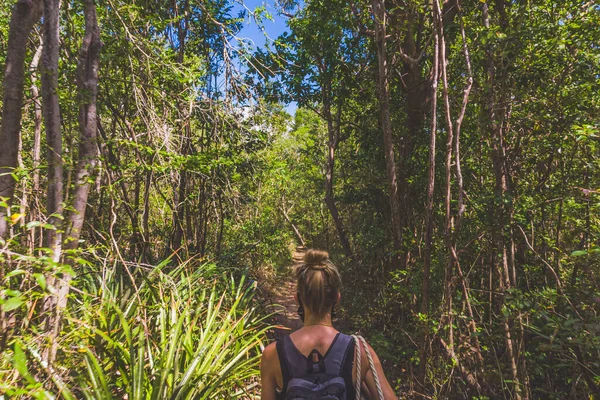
20,361
15,273
579,253
12,303
41,280
35,224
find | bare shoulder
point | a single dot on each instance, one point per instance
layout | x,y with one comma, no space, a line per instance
269,354
269,374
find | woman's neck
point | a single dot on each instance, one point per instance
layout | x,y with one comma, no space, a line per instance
312,319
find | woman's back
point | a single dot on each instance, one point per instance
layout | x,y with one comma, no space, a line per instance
319,337
317,361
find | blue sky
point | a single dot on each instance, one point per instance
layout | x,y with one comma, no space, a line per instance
272,28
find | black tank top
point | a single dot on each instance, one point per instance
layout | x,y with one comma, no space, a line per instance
338,360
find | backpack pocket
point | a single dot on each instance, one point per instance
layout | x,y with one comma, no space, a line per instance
320,387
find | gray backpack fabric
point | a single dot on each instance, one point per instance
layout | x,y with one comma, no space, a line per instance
317,377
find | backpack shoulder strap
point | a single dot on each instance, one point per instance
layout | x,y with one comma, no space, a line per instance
296,362
285,368
337,354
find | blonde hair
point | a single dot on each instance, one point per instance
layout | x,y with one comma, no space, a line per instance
319,282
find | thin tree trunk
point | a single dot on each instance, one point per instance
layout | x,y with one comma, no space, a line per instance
51,112
219,238
453,224
585,241
135,245
178,212
25,14
417,97
24,190
559,221
499,221
203,213
460,190
87,83
383,92
430,191
146,218
448,229
294,227
332,142
37,139
181,186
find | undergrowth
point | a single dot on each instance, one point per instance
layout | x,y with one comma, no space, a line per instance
133,331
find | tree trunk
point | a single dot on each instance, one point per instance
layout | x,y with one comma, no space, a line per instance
501,191
449,221
453,220
87,83
203,214
179,212
383,92
430,191
51,112
333,134
24,15
145,256
135,242
37,139
221,216
181,185
418,97
294,227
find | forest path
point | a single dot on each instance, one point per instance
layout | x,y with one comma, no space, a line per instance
281,296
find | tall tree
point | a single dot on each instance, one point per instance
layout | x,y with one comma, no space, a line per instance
497,114
54,202
37,140
383,92
24,15
430,191
87,84
313,64
180,14
52,122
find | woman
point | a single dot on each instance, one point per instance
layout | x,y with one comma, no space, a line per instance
317,361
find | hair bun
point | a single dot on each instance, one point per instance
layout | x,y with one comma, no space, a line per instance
318,282
314,259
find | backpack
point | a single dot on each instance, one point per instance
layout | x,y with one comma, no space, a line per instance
317,377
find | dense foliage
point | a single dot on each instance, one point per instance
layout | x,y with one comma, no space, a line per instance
445,152
173,332
508,300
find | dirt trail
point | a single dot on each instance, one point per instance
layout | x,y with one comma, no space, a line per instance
282,298
280,295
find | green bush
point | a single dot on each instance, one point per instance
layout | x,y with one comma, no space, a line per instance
180,332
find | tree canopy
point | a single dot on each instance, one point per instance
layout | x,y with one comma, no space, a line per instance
152,186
